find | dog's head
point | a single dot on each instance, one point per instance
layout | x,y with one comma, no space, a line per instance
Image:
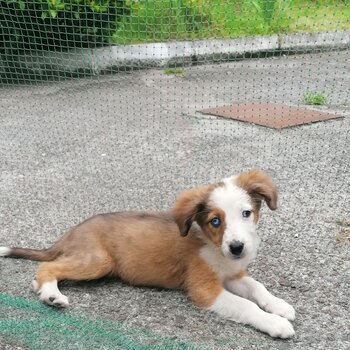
227,212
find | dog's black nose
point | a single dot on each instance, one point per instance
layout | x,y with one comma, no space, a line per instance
236,248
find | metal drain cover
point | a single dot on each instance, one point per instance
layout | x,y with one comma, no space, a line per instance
271,115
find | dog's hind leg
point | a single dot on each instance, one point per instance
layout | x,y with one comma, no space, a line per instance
68,268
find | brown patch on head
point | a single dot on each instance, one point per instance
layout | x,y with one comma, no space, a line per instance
260,187
256,212
188,206
192,206
215,234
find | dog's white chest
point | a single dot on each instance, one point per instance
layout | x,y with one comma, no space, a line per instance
224,267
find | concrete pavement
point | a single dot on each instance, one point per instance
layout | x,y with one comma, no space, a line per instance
133,140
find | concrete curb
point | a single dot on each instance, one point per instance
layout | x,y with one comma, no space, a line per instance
95,61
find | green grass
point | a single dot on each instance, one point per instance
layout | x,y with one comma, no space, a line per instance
315,98
174,70
163,20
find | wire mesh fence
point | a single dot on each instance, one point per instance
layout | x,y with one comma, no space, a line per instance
104,107
32,30
44,42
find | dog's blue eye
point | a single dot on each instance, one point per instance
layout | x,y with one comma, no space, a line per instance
246,213
215,222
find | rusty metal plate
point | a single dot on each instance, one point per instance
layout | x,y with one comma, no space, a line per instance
271,115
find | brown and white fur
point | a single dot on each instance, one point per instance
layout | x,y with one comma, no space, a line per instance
184,248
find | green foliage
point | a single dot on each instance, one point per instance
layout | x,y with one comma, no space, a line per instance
174,70
161,20
158,20
315,98
57,24
271,10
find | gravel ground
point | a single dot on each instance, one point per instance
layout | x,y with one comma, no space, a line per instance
72,149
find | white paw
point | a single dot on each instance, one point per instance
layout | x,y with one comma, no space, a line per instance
279,307
50,294
277,327
57,300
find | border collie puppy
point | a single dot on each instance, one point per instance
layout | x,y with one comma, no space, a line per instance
203,245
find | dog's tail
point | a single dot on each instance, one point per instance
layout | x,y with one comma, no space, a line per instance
31,254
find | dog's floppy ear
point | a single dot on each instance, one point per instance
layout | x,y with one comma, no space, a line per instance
259,186
187,205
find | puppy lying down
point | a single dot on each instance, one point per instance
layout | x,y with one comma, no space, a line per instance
203,245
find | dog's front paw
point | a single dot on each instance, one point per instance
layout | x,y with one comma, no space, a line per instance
277,327
279,307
